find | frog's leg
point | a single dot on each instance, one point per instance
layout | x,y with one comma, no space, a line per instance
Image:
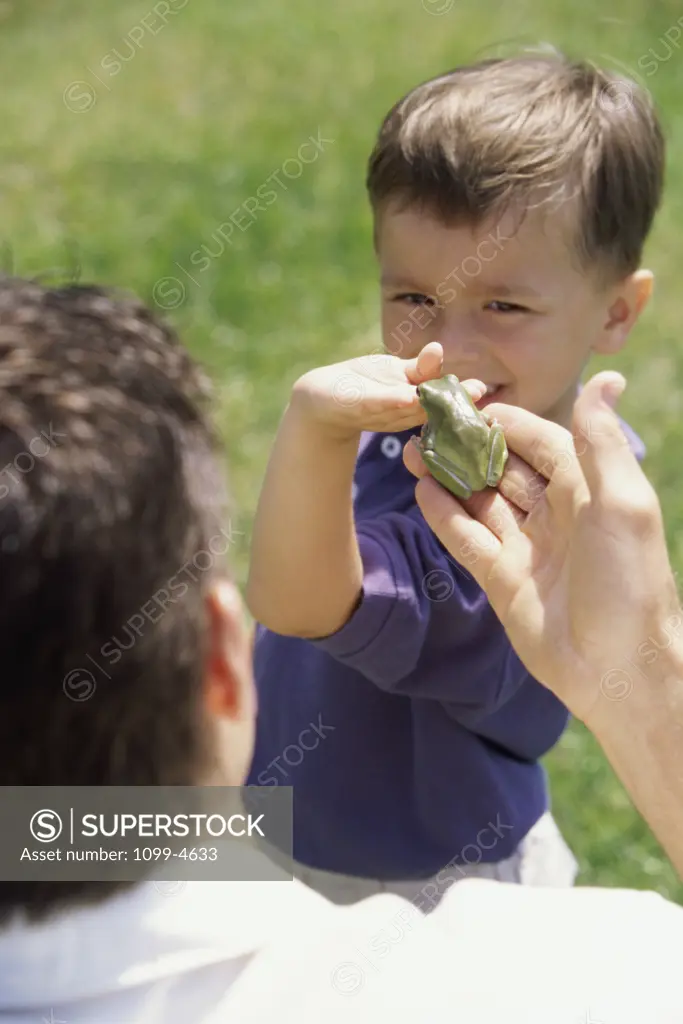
498,453
443,473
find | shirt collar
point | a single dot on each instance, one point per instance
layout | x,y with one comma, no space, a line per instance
143,935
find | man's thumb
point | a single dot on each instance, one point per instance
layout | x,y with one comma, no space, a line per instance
612,387
601,445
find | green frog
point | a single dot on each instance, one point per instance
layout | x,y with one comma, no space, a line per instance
463,453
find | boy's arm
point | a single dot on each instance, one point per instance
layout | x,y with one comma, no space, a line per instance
306,571
369,593
305,574
413,590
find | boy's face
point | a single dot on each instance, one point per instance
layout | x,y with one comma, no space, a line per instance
507,303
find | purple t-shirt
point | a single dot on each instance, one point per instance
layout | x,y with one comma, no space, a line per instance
412,736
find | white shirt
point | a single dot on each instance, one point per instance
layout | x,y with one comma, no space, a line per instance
276,951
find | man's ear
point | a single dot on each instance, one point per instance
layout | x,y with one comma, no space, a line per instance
627,302
229,690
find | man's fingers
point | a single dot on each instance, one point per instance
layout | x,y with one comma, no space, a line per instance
542,449
520,484
547,448
489,507
413,460
472,534
472,545
501,517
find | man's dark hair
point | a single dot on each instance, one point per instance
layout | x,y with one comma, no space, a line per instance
111,508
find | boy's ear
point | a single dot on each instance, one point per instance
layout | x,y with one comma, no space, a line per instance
627,302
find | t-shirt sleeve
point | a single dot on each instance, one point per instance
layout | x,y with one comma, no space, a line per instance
423,627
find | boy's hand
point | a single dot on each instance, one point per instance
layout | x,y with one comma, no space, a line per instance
375,392
306,570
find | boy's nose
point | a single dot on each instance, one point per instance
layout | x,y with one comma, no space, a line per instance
462,349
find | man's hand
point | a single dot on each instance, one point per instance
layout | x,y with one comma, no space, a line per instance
570,550
572,555
375,392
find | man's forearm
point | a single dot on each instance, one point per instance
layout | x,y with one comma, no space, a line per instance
642,736
306,573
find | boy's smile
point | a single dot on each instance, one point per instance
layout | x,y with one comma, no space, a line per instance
508,302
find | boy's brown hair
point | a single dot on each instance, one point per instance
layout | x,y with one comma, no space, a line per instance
520,131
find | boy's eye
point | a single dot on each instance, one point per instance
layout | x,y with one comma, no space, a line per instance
506,307
415,299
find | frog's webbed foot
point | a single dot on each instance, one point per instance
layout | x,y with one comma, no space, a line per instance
498,453
443,473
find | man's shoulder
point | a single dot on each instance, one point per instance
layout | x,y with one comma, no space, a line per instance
383,956
335,968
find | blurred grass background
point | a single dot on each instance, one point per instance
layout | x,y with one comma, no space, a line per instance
133,130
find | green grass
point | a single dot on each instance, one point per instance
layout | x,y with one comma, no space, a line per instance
206,110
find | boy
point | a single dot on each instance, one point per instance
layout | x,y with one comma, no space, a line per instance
511,202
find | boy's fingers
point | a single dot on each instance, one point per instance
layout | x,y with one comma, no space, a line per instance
475,388
426,365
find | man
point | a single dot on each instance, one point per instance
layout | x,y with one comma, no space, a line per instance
580,576
111,488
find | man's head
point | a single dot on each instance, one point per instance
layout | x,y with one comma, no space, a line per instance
512,200
124,658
